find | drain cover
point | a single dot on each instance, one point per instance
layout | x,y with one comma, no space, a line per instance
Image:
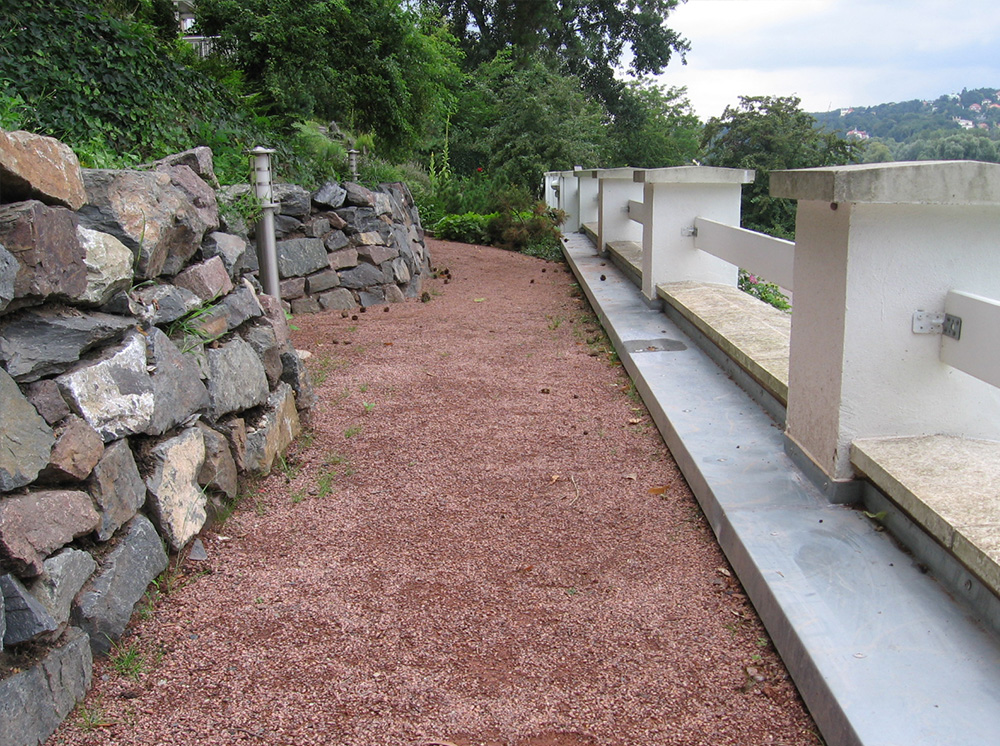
655,345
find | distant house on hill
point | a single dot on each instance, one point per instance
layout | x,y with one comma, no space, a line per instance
976,108
858,134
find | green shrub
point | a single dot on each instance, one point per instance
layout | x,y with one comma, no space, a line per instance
469,227
763,290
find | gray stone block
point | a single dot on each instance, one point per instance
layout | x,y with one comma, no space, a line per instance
113,392
240,306
331,195
335,241
236,378
164,304
34,525
219,471
228,247
294,200
340,299
63,575
25,438
178,391
358,195
296,375
26,618
305,305
34,702
262,338
298,257
208,280
284,225
373,296
326,279
117,488
362,276
175,498
104,606
274,431
40,342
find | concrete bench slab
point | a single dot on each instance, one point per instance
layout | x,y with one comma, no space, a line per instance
949,485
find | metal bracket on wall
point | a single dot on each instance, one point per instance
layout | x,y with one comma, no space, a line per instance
925,322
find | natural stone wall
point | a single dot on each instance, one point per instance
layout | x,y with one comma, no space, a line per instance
142,370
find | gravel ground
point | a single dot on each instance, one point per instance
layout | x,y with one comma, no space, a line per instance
482,540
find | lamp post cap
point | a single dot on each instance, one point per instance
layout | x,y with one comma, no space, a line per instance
261,150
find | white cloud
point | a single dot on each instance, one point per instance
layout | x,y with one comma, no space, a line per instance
834,53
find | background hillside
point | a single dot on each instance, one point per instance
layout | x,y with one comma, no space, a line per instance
953,126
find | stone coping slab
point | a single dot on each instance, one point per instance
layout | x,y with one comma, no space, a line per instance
752,333
627,256
948,485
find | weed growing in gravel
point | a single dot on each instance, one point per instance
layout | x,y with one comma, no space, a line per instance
260,507
298,496
352,431
369,406
289,468
128,660
91,717
554,322
363,388
324,484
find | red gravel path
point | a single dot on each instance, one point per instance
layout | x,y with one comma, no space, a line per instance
485,542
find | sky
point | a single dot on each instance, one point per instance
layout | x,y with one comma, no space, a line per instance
834,54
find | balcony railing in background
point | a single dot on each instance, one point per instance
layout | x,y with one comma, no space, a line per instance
896,272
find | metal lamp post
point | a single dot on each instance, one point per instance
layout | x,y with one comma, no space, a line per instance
267,252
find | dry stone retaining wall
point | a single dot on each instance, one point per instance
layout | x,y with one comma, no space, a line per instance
142,371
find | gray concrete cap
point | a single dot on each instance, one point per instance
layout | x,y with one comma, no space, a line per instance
694,175
906,182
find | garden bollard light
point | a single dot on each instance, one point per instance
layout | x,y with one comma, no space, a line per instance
267,252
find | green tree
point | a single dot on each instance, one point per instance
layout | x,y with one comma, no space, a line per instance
768,134
590,39
655,127
518,120
373,65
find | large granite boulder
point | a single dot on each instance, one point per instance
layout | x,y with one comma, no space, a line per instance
298,257
105,604
37,342
39,167
46,245
34,525
161,216
25,438
113,392
117,488
175,498
34,702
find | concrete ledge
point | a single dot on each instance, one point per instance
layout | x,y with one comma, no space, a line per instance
752,333
627,256
881,653
949,486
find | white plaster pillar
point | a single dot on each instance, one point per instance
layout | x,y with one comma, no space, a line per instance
550,189
615,188
587,192
569,199
874,244
672,199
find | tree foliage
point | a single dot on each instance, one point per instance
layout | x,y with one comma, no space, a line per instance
590,39
768,134
655,127
108,86
517,120
370,64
